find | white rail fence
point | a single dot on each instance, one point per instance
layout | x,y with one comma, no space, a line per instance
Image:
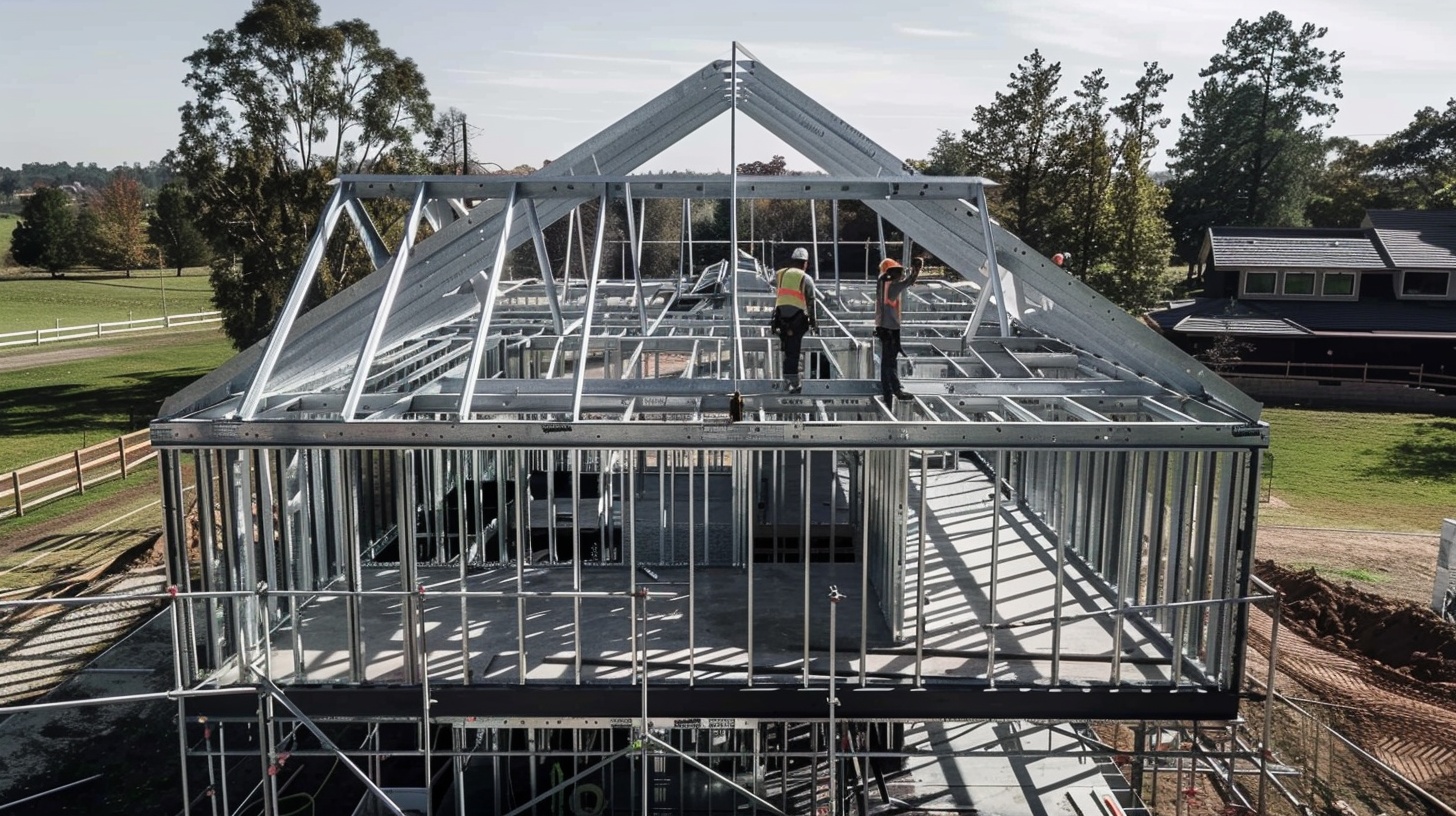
72,473
38,337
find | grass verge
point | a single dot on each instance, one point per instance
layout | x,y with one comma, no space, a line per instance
27,566
1363,471
50,410
35,300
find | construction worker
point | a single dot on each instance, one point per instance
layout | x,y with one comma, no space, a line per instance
890,286
794,313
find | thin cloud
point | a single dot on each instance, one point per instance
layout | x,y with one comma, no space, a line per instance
599,58
531,117
564,83
934,33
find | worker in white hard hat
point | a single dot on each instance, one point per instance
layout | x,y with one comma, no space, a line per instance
794,313
890,287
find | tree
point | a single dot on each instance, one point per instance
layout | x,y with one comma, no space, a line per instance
1085,175
172,230
448,148
9,183
1347,185
1017,141
777,166
46,234
1419,161
119,240
1139,243
282,103
1252,134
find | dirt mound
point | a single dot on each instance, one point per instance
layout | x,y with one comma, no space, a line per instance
1401,635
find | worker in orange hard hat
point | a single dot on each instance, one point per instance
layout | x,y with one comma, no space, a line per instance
794,313
889,288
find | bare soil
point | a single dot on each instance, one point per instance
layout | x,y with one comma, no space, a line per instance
1400,566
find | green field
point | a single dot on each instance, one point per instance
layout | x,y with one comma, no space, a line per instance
31,300
1361,470
7,227
54,409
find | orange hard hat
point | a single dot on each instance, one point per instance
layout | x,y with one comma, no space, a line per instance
889,263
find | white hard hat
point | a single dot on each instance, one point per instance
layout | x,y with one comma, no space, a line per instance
801,254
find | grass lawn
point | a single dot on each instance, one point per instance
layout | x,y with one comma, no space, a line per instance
35,300
54,409
1360,470
24,566
7,228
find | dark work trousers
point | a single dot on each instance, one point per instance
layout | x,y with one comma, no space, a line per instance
793,325
889,357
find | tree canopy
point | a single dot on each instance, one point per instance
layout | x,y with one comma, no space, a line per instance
1018,141
1070,181
282,103
46,235
1418,163
118,239
1250,143
172,230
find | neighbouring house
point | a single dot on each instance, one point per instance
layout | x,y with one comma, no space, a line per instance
1374,303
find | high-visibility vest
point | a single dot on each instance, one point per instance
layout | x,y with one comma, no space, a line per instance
889,307
791,289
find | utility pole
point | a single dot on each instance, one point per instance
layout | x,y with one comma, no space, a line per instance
465,148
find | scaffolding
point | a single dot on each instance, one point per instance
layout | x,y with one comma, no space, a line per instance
544,543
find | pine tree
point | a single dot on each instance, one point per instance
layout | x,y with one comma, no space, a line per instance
1017,142
1251,139
1140,243
46,235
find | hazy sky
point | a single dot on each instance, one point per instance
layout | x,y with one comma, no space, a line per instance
101,80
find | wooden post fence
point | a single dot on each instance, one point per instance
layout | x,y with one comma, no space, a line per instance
71,473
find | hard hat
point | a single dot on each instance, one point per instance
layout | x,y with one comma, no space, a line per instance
889,263
800,254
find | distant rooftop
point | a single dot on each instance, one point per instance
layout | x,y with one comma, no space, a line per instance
1416,239
1295,247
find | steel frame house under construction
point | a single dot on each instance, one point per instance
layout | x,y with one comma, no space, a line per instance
537,543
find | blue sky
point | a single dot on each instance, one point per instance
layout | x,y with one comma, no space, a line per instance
100,80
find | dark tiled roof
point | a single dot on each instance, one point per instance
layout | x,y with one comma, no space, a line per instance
1290,316
1416,239
1241,247
1368,315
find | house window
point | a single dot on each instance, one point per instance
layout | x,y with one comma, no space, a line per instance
1258,283
1339,283
1298,283
1424,284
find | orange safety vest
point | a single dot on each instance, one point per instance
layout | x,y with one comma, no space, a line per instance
791,289
887,304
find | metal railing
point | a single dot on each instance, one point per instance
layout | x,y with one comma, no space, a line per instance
1343,372
37,337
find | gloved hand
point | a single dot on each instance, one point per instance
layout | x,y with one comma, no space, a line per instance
918,263
814,326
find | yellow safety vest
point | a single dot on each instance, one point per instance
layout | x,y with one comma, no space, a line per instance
791,289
